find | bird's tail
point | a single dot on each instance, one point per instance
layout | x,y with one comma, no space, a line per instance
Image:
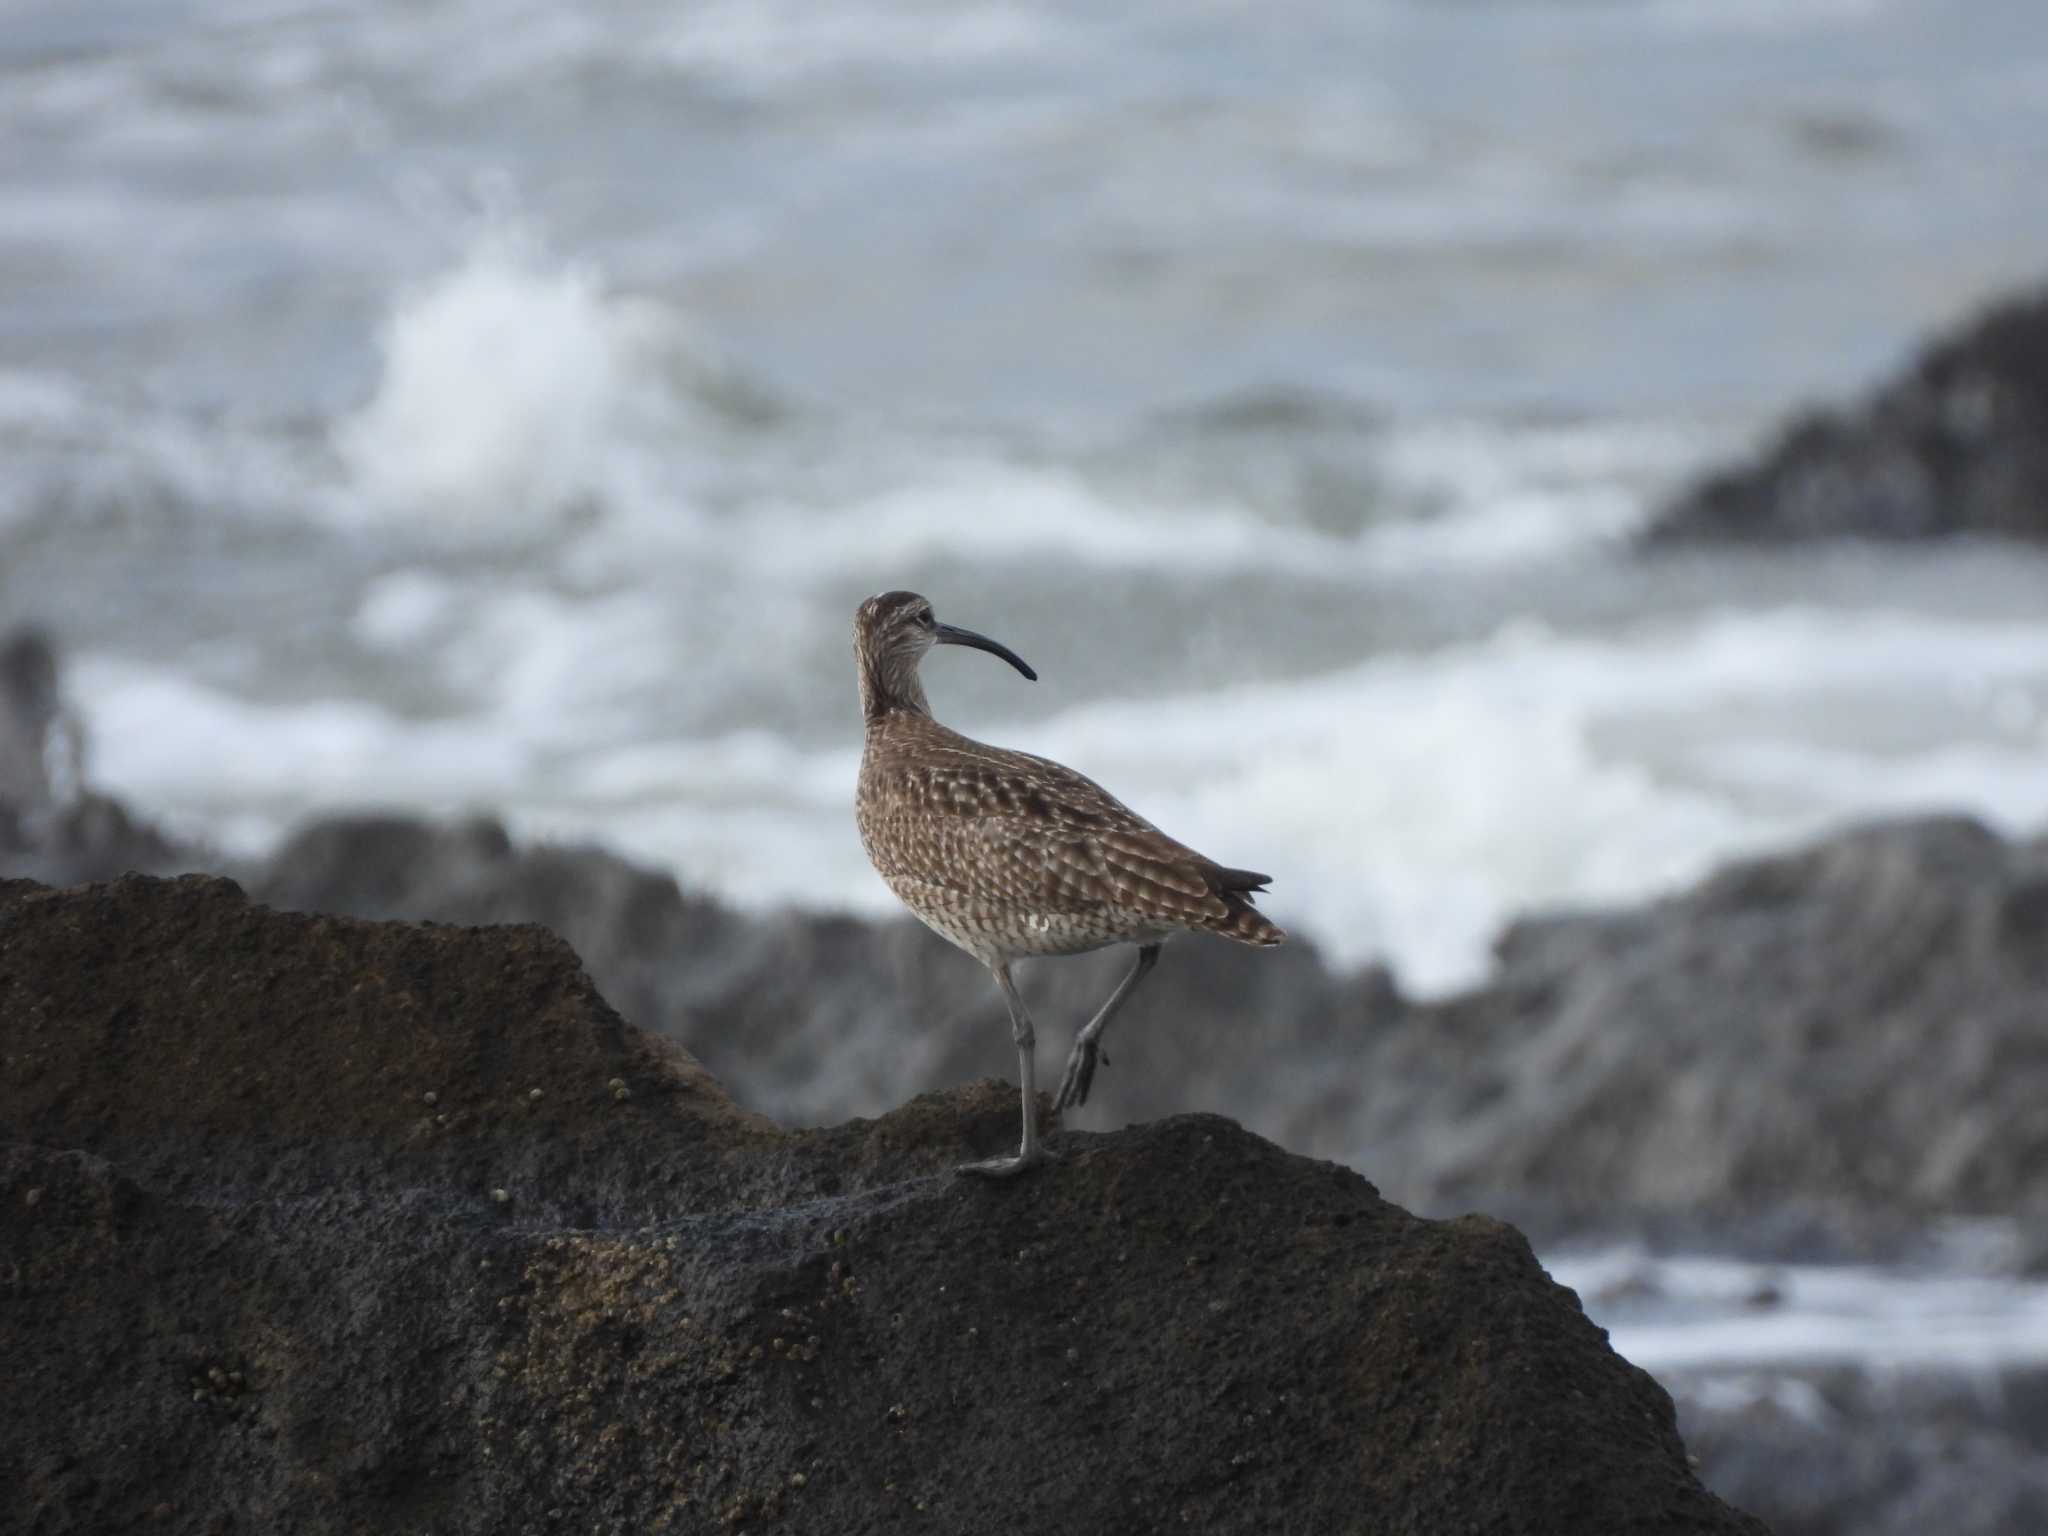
1242,921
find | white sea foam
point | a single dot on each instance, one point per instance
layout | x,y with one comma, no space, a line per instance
974,506
201,754
1696,1314
520,397
37,402
1507,495
403,611
1416,803
1407,807
514,392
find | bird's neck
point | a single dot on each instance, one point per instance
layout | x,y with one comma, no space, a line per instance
885,691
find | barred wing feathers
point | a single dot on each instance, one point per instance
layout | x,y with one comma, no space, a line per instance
1020,830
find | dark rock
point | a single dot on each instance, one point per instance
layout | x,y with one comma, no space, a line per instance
93,837
53,826
167,1025
1861,1023
1959,444
1808,1057
255,1280
1847,1453
1816,1049
813,1017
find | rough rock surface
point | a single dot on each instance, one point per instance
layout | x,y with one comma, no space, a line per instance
1863,1022
257,1279
1858,1027
53,826
1958,444
1833,1451
1807,1055
812,1017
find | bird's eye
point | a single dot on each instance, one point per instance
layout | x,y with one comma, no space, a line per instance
927,620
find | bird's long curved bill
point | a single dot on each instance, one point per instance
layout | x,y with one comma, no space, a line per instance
953,634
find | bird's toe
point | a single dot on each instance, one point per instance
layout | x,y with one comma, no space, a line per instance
1003,1167
1076,1080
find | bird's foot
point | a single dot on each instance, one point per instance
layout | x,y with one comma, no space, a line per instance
1080,1075
1005,1167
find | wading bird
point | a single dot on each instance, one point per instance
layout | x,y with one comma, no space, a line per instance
1010,855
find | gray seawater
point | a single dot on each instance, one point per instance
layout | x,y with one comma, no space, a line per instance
487,404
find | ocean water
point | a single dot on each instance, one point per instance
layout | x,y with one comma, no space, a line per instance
505,406
1732,1326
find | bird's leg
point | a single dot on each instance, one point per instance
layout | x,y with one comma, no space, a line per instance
1081,1060
1031,1151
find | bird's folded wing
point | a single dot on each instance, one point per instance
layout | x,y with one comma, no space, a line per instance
1028,831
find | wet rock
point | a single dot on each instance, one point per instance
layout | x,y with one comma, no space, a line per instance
1958,444
1845,1453
689,1320
33,720
815,1016
1817,1050
53,825
166,1024
1857,1024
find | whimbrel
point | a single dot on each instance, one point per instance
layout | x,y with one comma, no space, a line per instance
1010,855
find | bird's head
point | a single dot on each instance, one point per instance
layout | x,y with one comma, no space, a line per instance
891,633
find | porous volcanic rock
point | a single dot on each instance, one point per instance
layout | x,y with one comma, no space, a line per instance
258,1280
1957,444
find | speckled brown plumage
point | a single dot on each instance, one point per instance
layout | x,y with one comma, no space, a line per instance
1010,855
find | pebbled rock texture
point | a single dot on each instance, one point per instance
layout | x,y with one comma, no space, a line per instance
255,1279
